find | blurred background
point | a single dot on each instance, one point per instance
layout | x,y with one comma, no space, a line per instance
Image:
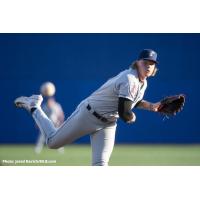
80,63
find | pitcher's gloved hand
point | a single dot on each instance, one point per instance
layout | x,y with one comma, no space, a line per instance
171,105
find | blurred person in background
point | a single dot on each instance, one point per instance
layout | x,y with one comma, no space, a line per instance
53,110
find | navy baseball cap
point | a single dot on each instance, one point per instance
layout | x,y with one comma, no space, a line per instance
148,54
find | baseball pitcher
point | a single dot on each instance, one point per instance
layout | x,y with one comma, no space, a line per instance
97,115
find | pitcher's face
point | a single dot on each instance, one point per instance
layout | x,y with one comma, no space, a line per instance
146,68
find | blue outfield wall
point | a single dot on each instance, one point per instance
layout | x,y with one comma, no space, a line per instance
79,63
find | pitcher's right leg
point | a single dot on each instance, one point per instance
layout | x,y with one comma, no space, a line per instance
77,125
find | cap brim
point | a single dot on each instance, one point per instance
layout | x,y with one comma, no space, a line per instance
151,60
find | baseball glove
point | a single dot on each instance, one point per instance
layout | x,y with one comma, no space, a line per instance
172,105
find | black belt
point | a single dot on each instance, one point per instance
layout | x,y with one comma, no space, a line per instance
103,119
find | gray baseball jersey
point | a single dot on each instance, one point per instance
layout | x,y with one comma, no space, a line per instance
126,84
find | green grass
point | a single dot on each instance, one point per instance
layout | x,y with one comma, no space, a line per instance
123,155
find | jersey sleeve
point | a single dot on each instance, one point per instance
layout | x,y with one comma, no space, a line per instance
127,88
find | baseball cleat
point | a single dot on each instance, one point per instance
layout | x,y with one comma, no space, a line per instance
27,103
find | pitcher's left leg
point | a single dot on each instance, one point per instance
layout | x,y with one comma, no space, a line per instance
102,143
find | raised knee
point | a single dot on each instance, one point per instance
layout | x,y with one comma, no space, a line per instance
52,145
